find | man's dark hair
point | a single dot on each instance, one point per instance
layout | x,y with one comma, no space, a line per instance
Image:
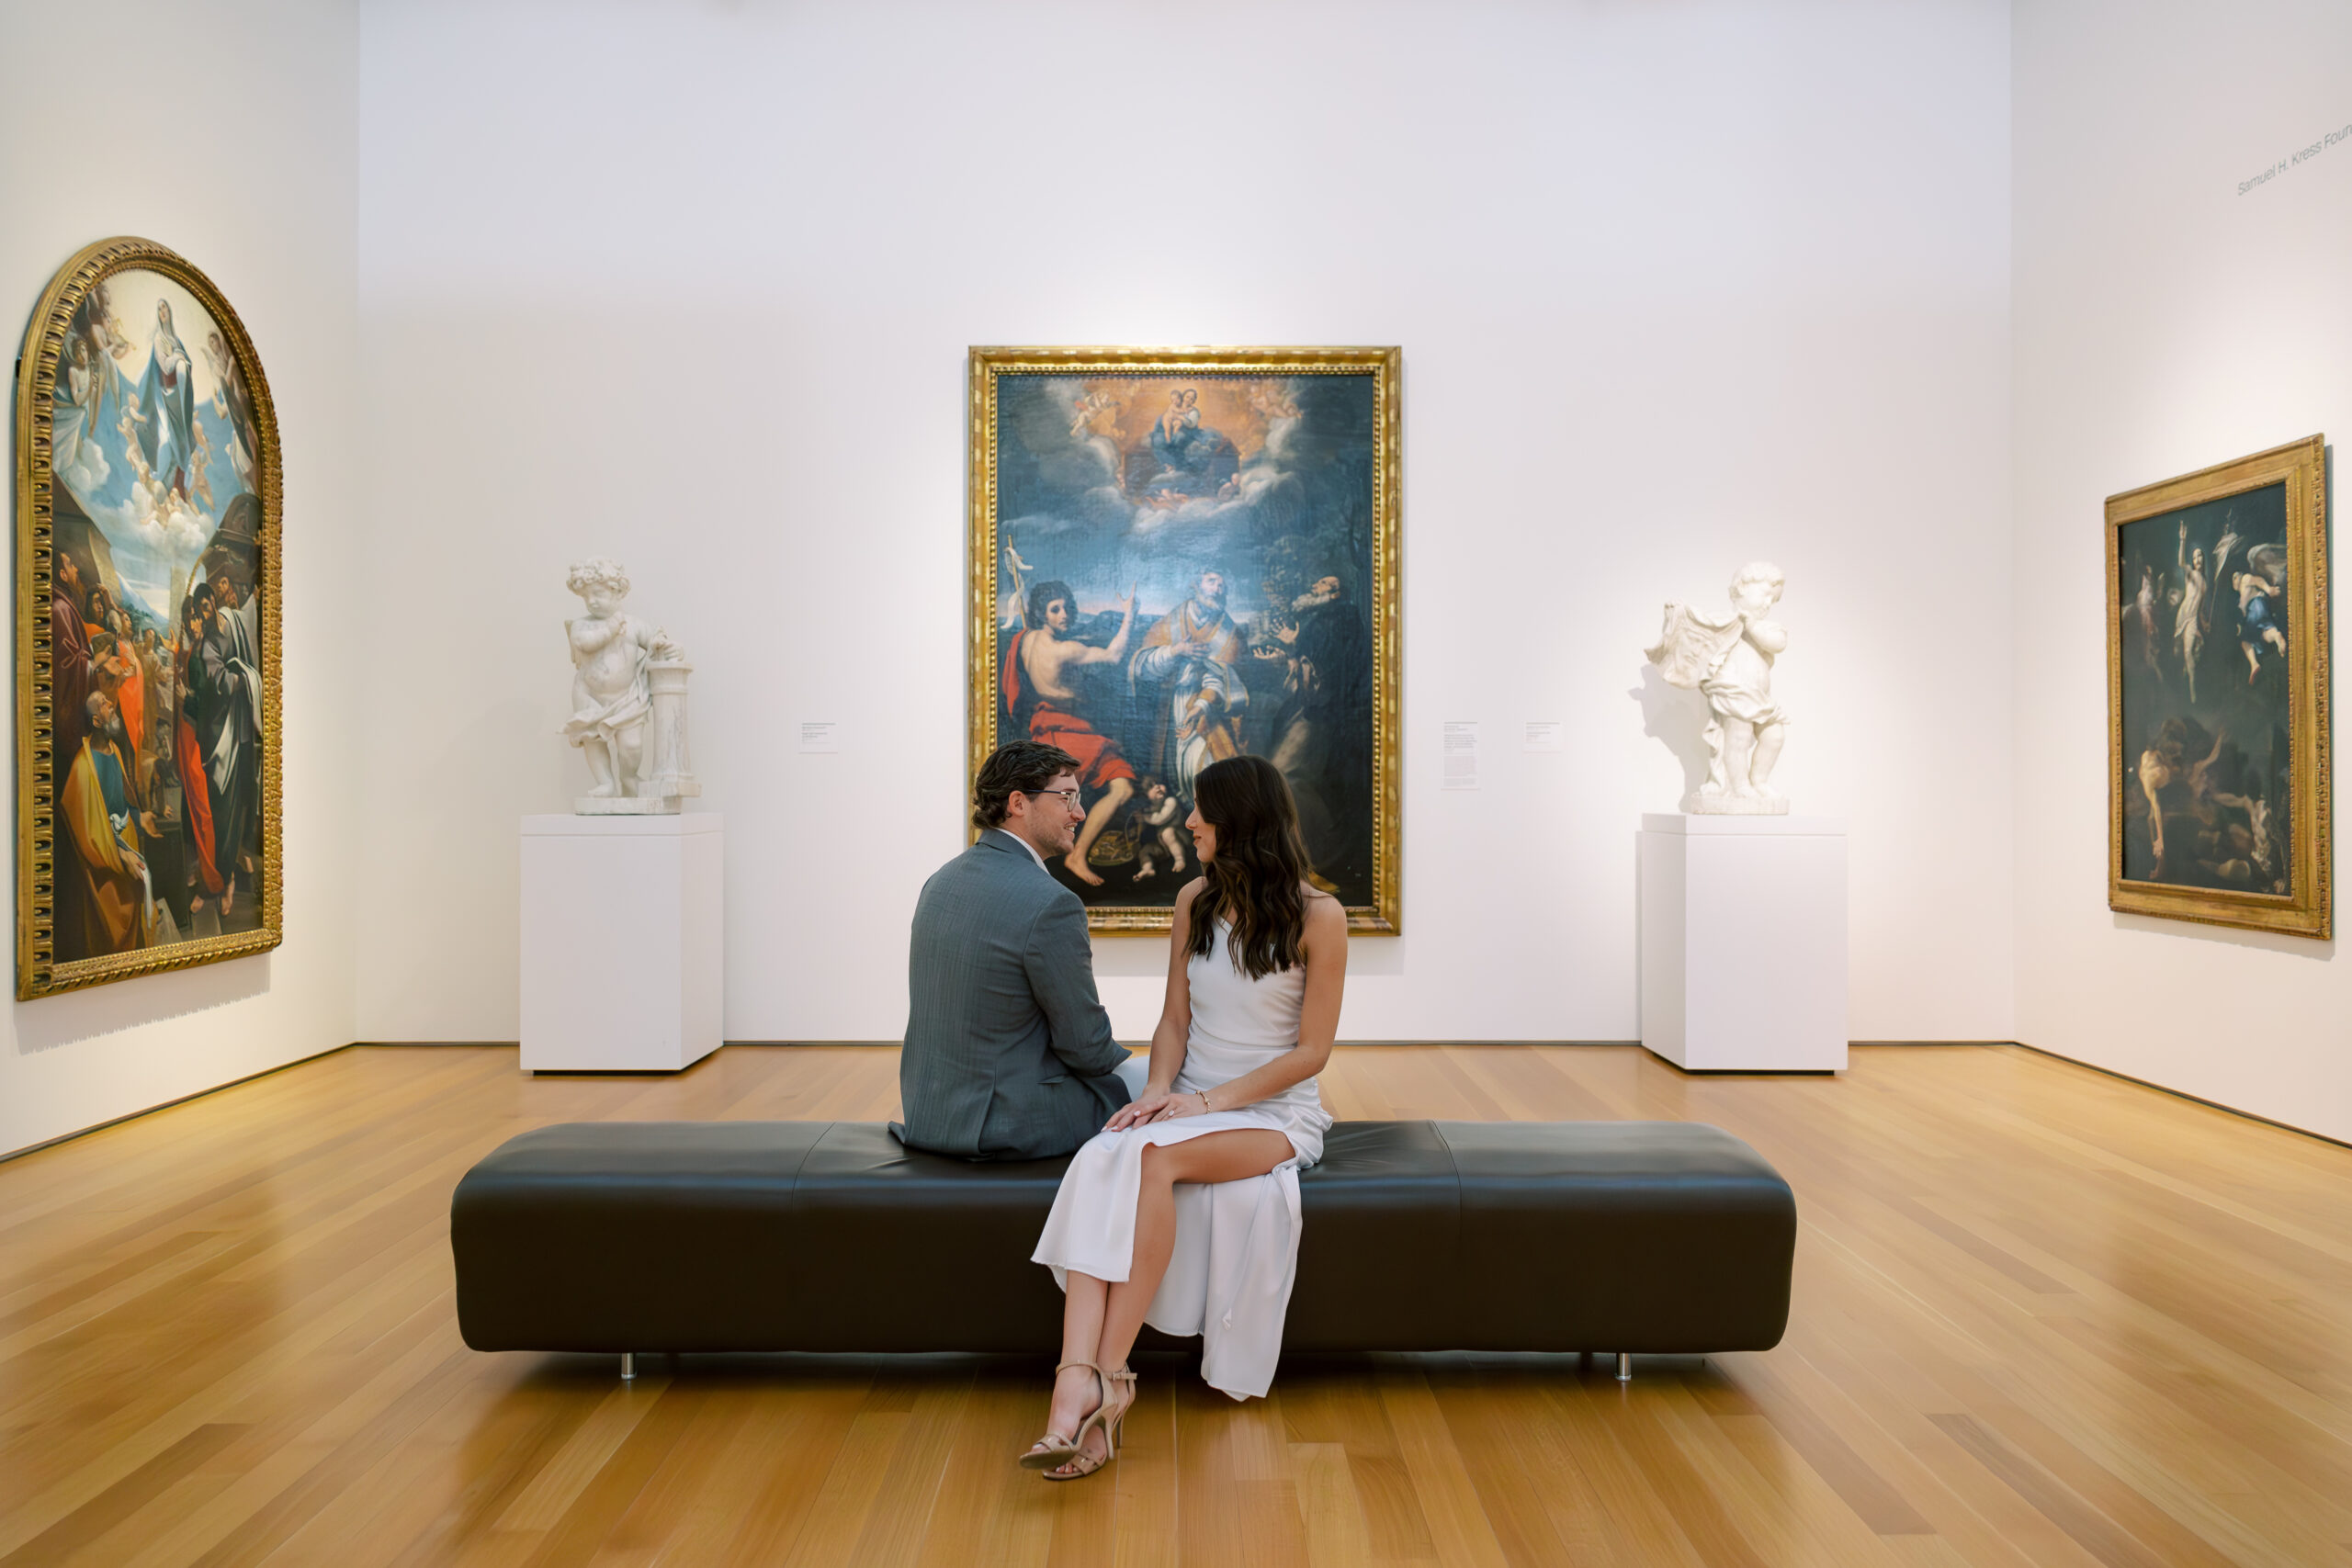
1025,765
1044,593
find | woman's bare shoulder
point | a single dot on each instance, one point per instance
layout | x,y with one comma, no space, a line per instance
1323,909
1190,891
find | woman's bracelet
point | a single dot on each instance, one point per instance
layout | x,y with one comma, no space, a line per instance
1206,1109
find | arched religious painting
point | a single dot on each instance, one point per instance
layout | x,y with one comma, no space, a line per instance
1180,556
147,627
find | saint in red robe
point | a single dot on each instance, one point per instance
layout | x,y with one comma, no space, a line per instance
1099,759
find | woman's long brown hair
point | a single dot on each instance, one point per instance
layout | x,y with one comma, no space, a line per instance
1256,880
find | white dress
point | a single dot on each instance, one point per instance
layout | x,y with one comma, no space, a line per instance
1237,1242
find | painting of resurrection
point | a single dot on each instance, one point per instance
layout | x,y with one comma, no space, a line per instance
2217,668
1180,557
146,627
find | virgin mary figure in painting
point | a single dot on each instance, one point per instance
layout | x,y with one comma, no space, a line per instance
168,393
1182,459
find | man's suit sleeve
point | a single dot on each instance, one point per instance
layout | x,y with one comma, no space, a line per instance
1060,966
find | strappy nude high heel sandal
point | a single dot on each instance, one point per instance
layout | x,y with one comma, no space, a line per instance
1114,1420
1052,1451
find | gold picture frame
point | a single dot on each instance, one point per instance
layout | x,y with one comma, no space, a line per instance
182,464
1278,468
2220,795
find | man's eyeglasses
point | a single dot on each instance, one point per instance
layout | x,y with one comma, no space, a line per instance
1068,795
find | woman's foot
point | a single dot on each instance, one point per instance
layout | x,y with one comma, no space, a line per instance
1078,1393
1100,1444
1093,1454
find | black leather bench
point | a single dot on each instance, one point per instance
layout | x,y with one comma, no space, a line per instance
626,1236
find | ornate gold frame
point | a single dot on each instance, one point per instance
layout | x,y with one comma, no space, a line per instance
1385,914
2308,910
38,973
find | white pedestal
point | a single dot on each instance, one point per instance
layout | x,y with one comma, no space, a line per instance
623,957
1744,942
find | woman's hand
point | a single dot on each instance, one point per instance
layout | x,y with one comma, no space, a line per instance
1163,1105
1137,1112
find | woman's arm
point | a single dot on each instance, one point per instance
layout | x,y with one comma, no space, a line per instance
1318,1020
1175,1021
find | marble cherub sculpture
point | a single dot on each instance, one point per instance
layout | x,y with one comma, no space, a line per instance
1729,662
629,700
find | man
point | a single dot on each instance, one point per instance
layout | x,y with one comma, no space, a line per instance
71,678
1188,674
1009,1053
156,672
227,666
200,875
1041,697
108,829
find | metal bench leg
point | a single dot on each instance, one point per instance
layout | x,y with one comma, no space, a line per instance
1624,1367
628,1367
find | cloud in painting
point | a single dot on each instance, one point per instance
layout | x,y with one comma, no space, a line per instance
1301,491
87,471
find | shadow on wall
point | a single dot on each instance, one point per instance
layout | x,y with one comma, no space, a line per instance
2267,941
1679,718
72,1016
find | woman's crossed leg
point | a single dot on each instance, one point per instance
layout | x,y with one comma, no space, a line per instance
1099,1319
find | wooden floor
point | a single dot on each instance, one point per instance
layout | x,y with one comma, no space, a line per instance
2041,1316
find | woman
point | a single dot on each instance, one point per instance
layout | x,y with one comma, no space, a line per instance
1256,960
169,389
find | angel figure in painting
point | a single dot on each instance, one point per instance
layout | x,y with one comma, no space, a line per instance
2260,588
2144,604
611,697
232,403
1729,662
2189,618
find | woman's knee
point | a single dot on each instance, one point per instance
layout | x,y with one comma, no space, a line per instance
1160,1164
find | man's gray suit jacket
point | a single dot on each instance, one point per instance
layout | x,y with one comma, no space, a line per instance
1009,1053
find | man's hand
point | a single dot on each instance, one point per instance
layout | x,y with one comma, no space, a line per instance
147,824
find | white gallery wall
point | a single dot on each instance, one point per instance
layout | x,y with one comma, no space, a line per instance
2165,321
225,131
1677,284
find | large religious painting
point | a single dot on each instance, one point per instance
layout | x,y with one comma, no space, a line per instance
147,627
2217,645
1182,556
